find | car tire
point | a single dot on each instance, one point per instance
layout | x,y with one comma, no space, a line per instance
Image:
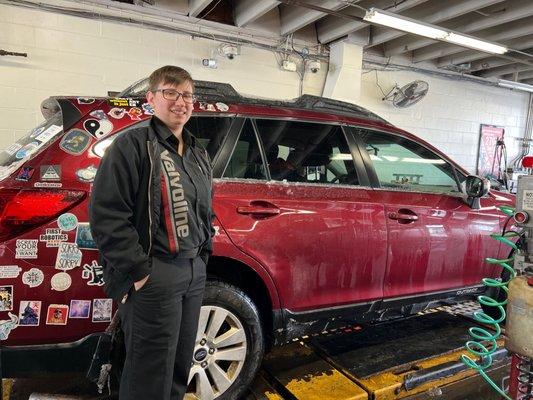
225,301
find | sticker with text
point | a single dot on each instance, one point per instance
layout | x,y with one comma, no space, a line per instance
47,184
121,102
68,256
26,248
29,313
53,237
50,173
67,222
9,271
25,174
48,134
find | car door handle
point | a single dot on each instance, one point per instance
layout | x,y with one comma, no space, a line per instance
258,210
403,217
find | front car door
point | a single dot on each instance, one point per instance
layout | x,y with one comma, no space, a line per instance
436,241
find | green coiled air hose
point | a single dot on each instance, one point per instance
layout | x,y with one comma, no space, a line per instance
476,347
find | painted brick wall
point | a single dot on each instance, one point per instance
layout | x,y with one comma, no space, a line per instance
73,56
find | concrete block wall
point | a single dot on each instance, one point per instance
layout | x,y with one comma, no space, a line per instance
75,56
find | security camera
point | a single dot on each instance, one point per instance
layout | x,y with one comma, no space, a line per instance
209,63
230,51
313,66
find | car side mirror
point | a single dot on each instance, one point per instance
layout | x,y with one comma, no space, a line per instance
476,187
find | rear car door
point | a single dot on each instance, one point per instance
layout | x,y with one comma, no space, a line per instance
290,197
436,241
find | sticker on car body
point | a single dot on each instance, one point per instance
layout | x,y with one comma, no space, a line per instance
98,114
25,174
84,237
9,271
61,281
26,248
98,128
7,325
33,278
50,172
12,149
102,309
117,113
68,256
75,142
86,174
67,222
27,150
53,237
57,314
94,273
49,133
47,184
79,309
122,102
6,298
85,100
29,313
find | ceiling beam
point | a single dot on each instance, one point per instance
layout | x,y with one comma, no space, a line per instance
528,74
515,9
473,55
486,63
528,82
499,34
505,70
294,17
332,28
432,13
246,11
197,6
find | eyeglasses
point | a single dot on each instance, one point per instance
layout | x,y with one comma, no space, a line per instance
174,95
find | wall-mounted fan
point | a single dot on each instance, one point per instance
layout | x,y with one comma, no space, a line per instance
407,95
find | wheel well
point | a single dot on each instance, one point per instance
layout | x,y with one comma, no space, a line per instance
246,279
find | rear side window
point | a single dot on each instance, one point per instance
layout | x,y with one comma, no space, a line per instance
406,165
16,154
307,152
246,161
209,131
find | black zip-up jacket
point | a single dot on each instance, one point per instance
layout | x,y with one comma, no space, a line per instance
125,206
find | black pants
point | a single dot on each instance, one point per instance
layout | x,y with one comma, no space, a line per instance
160,322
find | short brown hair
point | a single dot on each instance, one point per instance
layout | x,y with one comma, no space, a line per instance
169,74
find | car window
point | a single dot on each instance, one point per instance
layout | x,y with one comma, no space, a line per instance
210,131
406,165
306,152
246,161
37,139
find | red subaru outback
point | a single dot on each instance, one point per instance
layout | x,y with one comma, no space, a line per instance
326,215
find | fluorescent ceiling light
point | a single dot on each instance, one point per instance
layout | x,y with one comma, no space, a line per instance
399,22
515,85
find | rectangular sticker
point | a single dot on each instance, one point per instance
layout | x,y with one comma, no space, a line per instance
57,314
49,133
29,313
102,309
527,200
6,298
68,256
84,237
53,237
9,271
26,248
79,308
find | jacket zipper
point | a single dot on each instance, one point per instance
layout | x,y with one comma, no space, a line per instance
150,196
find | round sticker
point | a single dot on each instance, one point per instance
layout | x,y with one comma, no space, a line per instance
61,281
117,113
98,128
86,174
33,278
37,132
67,222
222,106
27,150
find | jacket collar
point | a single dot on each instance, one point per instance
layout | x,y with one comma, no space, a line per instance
164,133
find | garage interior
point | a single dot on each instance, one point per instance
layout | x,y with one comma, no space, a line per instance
282,50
